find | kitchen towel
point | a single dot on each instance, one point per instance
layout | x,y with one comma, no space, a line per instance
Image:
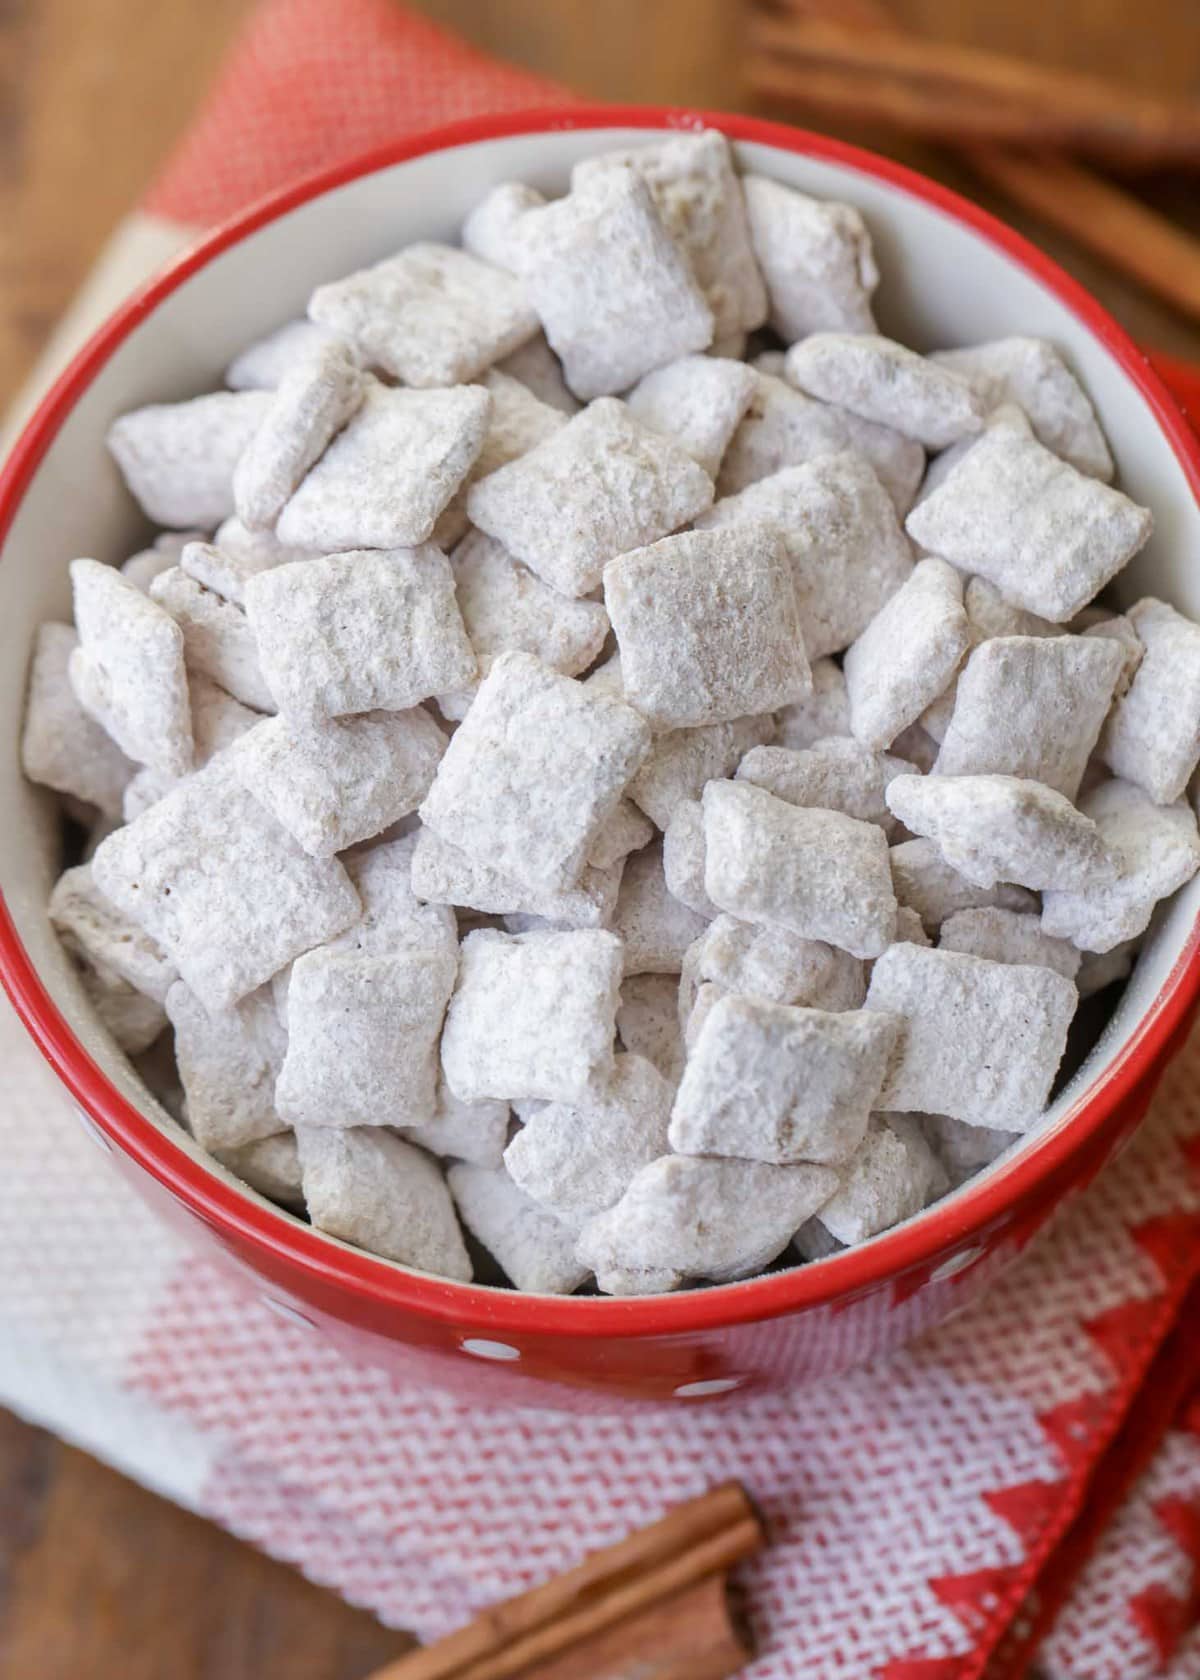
1021,1486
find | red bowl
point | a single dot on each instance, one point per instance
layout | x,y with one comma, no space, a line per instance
950,271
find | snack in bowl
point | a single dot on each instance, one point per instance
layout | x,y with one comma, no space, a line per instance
779,646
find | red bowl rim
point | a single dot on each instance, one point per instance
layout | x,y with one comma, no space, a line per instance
378,1282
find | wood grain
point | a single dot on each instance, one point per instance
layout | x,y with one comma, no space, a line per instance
100,1580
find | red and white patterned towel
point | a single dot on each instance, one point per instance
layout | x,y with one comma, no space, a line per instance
989,1493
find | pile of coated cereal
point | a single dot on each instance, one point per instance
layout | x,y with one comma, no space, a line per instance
611,761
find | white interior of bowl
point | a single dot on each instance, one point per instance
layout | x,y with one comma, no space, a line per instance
943,284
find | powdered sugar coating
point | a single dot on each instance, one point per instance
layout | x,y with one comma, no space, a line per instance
223,889
462,1131
1032,707
518,422
888,1180
431,315
816,259
178,459
62,745
699,401
1046,536
823,713
655,927
907,654
540,371
443,873
600,485
773,963
1156,849
1002,828
534,772
681,761
614,295
393,917
312,402
888,383
93,929
1153,735
128,670
648,1022
836,774
819,873
372,1189
357,632
533,1015
768,1082
334,782
228,1061
926,883
388,474
218,720
699,199
1007,936
980,1040
536,1250
262,365
627,830
269,1165
218,640
492,228
708,626
839,529
683,858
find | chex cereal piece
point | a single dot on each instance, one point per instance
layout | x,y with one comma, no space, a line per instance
518,422
813,1242
508,609
988,615
128,671
600,485
334,782
577,1159
907,654
218,720
443,873
1156,850
393,917
768,1082
431,315
372,1189
535,1250
944,462
614,294
253,551
262,365
847,551
1106,968
780,966
816,259
963,1150
1046,536
708,626
819,715
699,199
1001,828
784,428
683,858
681,761
533,1015
980,1041
312,402
699,401
704,1218
166,551
1115,627
362,1037
648,1022
886,382
1007,936
62,746
926,883
218,641
627,830
358,632
836,774
888,1180
615,1279
1032,707
819,873
1153,735
462,1131
271,1166
229,1060
1031,373
178,459
605,678
92,928
534,772
134,1020
910,929
388,474
217,569
540,371
230,896
491,231
656,927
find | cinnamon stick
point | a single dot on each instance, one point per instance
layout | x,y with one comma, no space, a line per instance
695,1542
947,91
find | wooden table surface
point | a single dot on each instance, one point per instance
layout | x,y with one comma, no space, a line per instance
100,1580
